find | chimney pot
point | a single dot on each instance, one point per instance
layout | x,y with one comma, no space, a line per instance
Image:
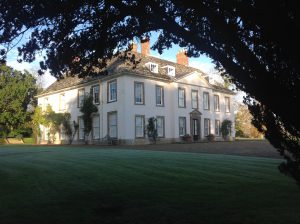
182,58
145,46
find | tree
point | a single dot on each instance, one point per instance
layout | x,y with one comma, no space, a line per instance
243,125
255,42
151,129
226,128
17,91
88,109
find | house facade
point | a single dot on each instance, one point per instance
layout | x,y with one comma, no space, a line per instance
180,98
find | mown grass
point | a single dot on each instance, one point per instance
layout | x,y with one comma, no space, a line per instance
90,185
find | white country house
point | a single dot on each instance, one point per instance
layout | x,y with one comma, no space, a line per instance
180,97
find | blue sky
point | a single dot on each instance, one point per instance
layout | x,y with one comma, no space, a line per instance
204,63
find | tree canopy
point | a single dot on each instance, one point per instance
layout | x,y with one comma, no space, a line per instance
17,91
256,42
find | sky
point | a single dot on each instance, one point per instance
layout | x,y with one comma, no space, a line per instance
203,62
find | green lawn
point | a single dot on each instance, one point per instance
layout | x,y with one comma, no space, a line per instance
88,185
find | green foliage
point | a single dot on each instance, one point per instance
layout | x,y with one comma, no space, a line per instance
29,141
88,109
53,121
151,129
226,128
17,91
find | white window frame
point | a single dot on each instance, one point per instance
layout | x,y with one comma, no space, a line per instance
206,126
140,126
194,101
181,100
206,101
111,126
112,96
217,127
80,128
81,94
153,67
161,133
182,129
139,93
217,103
227,104
96,128
160,96
96,95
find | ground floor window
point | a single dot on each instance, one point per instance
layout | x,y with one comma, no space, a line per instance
182,126
206,127
96,127
80,128
139,126
62,133
112,125
160,126
217,128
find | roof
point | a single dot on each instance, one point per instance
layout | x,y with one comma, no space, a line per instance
136,66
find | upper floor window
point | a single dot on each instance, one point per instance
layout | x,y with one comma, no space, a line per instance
95,90
139,97
80,97
181,97
216,103
194,99
227,104
206,101
159,95
112,91
62,102
152,67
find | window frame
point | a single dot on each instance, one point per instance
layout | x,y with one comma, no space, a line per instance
108,123
209,130
143,93
80,102
93,128
109,100
217,106
204,101
184,97
98,95
162,96
143,126
80,128
197,99
219,127
184,118
227,104
163,126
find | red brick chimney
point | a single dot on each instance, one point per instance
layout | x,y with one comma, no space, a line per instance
133,47
145,45
182,58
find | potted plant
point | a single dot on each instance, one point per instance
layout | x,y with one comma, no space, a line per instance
187,138
210,137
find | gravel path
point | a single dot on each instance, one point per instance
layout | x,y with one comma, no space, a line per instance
241,148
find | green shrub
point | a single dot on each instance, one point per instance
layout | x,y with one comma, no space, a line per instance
29,140
2,141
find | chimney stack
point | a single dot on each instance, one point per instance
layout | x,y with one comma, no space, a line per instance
145,45
182,58
133,47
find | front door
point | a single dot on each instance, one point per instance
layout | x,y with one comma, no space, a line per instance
195,130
